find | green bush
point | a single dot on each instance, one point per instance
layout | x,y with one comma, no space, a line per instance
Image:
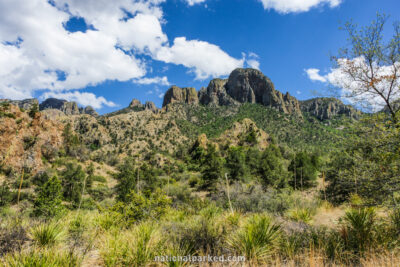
258,239
46,234
139,207
49,198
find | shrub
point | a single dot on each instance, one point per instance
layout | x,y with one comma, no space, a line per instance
257,239
6,196
46,234
131,248
139,207
48,201
301,215
358,231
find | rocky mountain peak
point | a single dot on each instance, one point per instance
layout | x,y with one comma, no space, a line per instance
242,86
252,86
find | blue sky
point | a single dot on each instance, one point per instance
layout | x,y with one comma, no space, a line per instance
95,54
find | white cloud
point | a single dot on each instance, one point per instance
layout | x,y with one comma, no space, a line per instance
252,60
314,75
193,2
352,87
288,6
155,80
202,58
298,92
123,31
82,98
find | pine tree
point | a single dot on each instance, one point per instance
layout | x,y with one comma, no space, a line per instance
236,163
72,182
48,201
212,167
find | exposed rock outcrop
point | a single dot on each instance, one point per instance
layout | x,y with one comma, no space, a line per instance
325,108
215,94
89,110
24,141
150,106
252,86
26,104
181,95
68,108
243,86
244,132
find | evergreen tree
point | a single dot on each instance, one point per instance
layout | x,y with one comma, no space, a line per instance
48,201
72,182
212,166
34,109
272,169
236,163
305,170
127,177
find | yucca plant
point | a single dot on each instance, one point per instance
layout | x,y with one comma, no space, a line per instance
46,234
358,231
301,215
257,239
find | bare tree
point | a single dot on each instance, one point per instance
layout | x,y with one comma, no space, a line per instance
369,70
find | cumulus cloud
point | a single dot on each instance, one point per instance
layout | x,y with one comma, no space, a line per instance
314,75
193,2
288,6
38,53
350,76
155,80
82,98
202,58
252,60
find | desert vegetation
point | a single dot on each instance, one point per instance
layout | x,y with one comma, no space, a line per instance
243,181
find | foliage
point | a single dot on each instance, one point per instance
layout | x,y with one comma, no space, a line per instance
34,109
257,239
236,163
46,234
305,170
139,207
212,167
358,231
72,179
48,200
272,169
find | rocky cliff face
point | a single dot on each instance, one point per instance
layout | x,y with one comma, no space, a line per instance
24,141
68,108
26,104
181,95
252,86
243,86
328,108
215,94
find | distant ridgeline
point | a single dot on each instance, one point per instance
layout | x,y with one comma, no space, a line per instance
242,86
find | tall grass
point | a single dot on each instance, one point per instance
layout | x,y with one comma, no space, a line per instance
133,247
257,240
46,234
